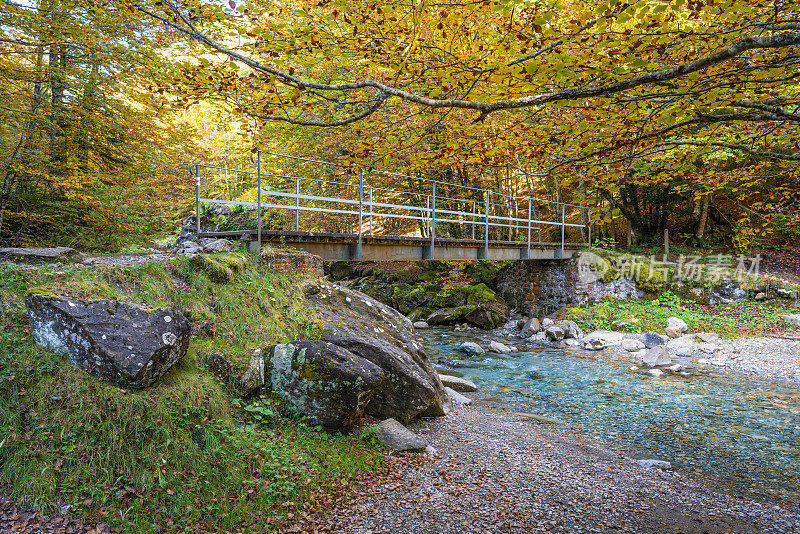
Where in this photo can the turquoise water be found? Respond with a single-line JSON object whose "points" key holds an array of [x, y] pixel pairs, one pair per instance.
{"points": [[741, 433]]}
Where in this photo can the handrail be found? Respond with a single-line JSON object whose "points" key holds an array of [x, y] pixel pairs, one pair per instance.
{"points": [[394, 206], [414, 177]]}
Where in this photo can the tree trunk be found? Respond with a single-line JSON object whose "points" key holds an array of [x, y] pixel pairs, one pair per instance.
{"points": [[25, 137], [611, 227], [701, 224], [629, 227], [584, 211]]}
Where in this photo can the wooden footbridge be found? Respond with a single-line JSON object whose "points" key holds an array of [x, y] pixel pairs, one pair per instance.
{"points": [[340, 218]]}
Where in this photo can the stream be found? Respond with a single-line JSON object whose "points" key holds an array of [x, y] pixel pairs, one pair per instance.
{"points": [[734, 433]]}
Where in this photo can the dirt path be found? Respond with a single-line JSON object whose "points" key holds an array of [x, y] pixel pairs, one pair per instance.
{"points": [[125, 260], [499, 473]]}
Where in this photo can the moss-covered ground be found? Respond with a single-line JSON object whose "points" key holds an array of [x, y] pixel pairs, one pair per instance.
{"points": [[183, 454]]}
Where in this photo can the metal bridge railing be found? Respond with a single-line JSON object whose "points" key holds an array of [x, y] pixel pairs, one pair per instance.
{"points": [[472, 211]]}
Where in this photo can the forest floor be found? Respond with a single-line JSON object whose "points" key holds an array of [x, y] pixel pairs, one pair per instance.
{"points": [[497, 472], [782, 263]]}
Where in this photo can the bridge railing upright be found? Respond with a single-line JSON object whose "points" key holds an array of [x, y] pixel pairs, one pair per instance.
{"points": [[374, 203]]}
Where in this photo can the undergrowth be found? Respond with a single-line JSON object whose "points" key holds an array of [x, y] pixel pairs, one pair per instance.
{"points": [[740, 319], [182, 454]]}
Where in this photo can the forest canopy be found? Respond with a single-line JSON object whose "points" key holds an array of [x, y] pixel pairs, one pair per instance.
{"points": [[656, 113]]}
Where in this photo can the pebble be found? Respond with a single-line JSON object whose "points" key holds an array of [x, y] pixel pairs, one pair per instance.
{"points": [[495, 473]]}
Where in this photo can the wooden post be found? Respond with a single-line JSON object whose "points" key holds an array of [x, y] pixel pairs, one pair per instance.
{"points": [[666, 243]]}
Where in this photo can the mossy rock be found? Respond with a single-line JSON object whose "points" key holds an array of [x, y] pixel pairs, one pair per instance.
{"points": [[236, 263], [478, 294], [448, 297], [40, 291], [485, 272], [650, 280], [217, 271]]}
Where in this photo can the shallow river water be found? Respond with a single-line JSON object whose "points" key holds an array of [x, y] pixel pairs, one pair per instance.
{"points": [[738, 432]]}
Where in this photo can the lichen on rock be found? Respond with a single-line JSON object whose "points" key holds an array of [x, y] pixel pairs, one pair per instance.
{"points": [[118, 342], [329, 384]]}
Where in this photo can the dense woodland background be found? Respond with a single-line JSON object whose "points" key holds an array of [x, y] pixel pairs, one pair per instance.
{"points": [[103, 106]]}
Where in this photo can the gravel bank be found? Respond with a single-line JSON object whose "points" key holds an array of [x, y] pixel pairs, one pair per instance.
{"points": [[771, 358], [499, 473]]}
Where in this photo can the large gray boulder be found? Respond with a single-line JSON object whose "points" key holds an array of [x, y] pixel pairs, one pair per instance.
{"points": [[395, 436], [411, 388], [677, 324], [457, 383], [41, 255], [385, 337], [328, 383], [600, 339], [656, 356], [242, 381], [554, 333], [682, 346], [531, 327], [120, 343], [471, 348], [218, 245], [652, 339], [571, 329], [499, 348]]}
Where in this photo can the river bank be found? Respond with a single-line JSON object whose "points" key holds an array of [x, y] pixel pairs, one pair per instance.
{"points": [[497, 471], [765, 357]]}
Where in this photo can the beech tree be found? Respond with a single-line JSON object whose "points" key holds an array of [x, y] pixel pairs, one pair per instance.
{"points": [[548, 88], [81, 140]]}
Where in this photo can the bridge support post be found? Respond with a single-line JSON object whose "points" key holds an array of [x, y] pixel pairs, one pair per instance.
{"points": [[590, 229], [297, 205], [528, 254], [433, 223], [563, 226], [485, 255], [197, 198], [360, 212], [370, 211]]}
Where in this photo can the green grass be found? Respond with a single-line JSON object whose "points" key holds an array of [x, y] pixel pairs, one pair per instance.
{"points": [[183, 453], [739, 319]]}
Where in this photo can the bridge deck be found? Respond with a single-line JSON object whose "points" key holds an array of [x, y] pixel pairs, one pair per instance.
{"points": [[335, 246]]}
